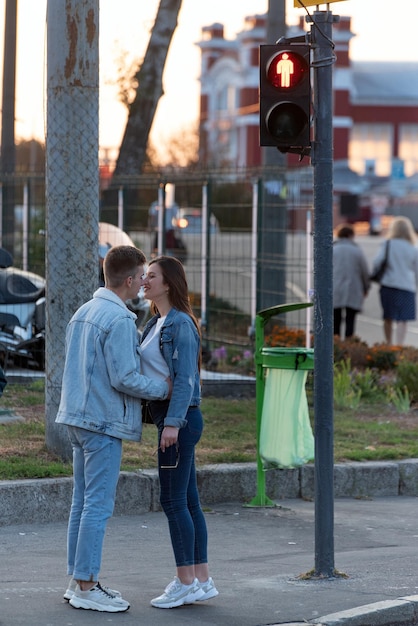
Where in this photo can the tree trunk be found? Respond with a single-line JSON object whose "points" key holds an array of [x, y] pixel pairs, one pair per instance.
{"points": [[149, 79]]}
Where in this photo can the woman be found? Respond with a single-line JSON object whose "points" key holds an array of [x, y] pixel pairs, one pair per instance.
{"points": [[170, 346], [399, 282], [350, 280]]}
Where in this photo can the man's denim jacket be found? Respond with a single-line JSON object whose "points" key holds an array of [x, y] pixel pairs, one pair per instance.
{"points": [[180, 347], [102, 385]]}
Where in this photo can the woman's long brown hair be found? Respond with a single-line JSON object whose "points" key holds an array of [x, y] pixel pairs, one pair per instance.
{"points": [[174, 277]]}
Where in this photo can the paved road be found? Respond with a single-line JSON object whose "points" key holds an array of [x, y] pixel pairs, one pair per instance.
{"points": [[256, 558], [231, 279]]}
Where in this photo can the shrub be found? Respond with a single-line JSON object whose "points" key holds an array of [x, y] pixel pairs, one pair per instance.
{"points": [[286, 337], [407, 377], [346, 395], [383, 357], [367, 381], [354, 349]]}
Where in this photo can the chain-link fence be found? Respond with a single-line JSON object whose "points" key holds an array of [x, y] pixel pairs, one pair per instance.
{"points": [[216, 225]]}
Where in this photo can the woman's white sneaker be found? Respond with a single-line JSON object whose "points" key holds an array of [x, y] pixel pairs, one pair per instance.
{"points": [[98, 599], [177, 594], [209, 590]]}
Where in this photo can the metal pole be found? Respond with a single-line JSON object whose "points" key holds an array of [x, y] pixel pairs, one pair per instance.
{"points": [[161, 220], [323, 59], [120, 208], [25, 226], [204, 291], [308, 276], [254, 239], [8, 150]]}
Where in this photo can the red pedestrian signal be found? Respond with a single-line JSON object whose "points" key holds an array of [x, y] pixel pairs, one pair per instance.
{"points": [[285, 97]]}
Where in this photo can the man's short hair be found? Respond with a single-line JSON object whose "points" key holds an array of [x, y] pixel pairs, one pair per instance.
{"points": [[121, 262]]}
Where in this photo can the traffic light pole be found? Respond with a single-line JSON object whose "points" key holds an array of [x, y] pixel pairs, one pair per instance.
{"points": [[322, 161]]}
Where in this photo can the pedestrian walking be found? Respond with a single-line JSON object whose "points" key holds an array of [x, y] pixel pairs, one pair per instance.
{"points": [[171, 346], [398, 284], [100, 405], [351, 281]]}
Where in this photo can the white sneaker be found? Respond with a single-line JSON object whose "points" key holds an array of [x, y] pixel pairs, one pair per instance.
{"points": [[73, 584], [98, 599], [209, 590], [177, 594]]}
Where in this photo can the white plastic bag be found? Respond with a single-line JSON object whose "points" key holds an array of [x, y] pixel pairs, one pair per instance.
{"points": [[286, 438]]}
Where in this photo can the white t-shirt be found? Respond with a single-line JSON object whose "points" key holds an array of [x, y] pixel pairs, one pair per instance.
{"points": [[153, 364]]}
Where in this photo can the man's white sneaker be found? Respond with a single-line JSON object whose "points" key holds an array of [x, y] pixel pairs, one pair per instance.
{"points": [[98, 599], [209, 590], [177, 594], [73, 584]]}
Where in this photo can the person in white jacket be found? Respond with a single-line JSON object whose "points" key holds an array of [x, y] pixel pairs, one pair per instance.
{"points": [[351, 281], [399, 282]]}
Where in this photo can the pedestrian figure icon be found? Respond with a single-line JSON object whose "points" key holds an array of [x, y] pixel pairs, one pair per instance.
{"points": [[285, 68]]}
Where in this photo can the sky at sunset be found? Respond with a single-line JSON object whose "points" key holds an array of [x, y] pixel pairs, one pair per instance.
{"points": [[382, 33]]}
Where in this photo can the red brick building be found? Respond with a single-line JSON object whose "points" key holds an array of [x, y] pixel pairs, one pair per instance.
{"points": [[375, 104]]}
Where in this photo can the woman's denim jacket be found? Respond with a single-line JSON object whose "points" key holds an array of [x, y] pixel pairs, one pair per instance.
{"points": [[180, 347], [102, 385]]}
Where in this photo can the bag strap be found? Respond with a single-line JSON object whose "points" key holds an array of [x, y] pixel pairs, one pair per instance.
{"points": [[386, 251]]}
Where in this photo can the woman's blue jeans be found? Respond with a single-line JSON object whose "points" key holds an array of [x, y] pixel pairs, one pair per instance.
{"points": [[179, 496], [96, 466]]}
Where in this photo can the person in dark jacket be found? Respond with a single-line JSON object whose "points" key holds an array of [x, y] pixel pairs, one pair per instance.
{"points": [[351, 281]]}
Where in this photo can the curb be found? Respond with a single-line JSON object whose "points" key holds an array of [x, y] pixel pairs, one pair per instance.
{"points": [[49, 499], [402, 611]]}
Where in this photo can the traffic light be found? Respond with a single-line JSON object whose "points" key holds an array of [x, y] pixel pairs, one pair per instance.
{"points": [[285, 97]]}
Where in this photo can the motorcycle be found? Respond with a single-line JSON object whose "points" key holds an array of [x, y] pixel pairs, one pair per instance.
{"points": [[22, 316]]}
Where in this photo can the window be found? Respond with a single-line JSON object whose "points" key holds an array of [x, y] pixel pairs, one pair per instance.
{"points": [[371, 142], [408, 147]]}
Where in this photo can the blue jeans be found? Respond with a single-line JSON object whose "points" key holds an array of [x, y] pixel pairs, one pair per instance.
{"points": [[179, 496], [96, 466]]}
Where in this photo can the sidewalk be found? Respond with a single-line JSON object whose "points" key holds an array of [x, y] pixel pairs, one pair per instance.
{"points": [[256, 556]]}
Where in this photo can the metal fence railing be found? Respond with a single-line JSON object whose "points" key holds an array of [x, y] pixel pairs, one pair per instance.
{"points": [[218, 226]]}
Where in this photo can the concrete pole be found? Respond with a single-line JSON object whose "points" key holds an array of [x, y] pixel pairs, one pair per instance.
{"points": [[72, 184], [271, 274]]}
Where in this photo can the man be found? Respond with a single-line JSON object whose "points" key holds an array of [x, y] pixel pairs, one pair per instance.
{"points": [[100, 404]]}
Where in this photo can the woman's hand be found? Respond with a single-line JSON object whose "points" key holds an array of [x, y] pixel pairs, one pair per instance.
{"points": [[169, 437]]}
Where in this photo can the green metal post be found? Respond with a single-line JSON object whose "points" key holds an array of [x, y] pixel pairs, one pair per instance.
{"points": [[261, 499]]}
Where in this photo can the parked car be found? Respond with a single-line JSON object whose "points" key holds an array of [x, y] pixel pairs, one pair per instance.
{"points": [[189, 221]]}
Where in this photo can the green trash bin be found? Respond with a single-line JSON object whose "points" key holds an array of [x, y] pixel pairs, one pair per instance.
{"points": [[286, 438], [284, 433]]}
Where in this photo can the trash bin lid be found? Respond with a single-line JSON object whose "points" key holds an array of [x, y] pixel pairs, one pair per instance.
{"points": [[287, 358], [266, 314]]}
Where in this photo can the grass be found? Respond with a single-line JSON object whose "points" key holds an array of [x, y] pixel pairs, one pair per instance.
{"points": [[374, 430]]}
